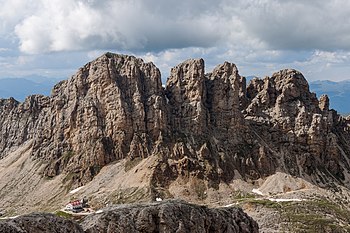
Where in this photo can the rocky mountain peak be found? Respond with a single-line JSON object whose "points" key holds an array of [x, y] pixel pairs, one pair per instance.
{"points": [[324, 103], [186, 92], [291, 80], [285, 98], [108, 106], [209, 126], [225, 70], [7, 105]]}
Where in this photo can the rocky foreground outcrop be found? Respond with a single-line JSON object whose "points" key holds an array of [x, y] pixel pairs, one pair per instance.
{"points": [[167, 217], [213, 127], [39, 223]]}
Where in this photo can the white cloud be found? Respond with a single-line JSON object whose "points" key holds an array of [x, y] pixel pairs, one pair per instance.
{"points": [[329, 57], [281, 24], [260, 36], [125, 25], [12, 12], [4, 49], [154, 25]]}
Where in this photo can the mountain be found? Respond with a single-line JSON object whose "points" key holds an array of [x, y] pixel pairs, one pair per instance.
{"points": [[20, 88], [115, 133], [338, 92]]}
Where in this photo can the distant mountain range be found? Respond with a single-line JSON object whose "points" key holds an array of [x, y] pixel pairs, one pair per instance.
{"points": [[338, 93], [20, 88]]}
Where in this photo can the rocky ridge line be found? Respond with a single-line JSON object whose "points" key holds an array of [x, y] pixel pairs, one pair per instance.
{"points": [[210, 126]]}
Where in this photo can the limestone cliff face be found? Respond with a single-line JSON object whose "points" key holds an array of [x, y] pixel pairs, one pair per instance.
{"points": [[187, 94], [299, 130], [113, 107], [212, 126], [20, 122]]}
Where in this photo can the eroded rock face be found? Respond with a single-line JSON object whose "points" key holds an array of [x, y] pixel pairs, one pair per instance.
{"points": [[300, 130], [170, 216], [39, 223], [209, 126], [187, 94], [111, 109]]}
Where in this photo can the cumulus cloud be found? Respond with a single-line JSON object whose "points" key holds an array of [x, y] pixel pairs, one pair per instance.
{"points": [[11, 13], [329, 57], [154, 25], [286, 24], [63, 25], [261, 36]]}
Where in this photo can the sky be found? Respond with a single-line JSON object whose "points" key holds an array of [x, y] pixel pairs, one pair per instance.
{"points": [[53, 38]]}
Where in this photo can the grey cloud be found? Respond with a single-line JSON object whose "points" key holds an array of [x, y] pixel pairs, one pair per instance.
{"points": [[302, 25], [155, 25], [128, 25], [271, 34]]}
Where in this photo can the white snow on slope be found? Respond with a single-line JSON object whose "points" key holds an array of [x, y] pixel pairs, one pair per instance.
{"points": [[257, 191], [76, 190]]}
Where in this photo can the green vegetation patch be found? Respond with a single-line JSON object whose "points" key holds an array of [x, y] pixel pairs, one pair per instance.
{"points": [[319, 215], [266, 203], [240, 196], [64, 214], [131, 163], [69, 154]]}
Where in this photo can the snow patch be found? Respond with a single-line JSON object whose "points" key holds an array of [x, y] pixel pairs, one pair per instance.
{"points": [[159, 199], [229, 205], [76, 190], [257, 191], [12, 217], [233, 204], [99, 212]]}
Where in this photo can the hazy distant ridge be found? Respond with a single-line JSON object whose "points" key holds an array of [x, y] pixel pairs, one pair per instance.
{"points": [[20, 88], [338, 93]]}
